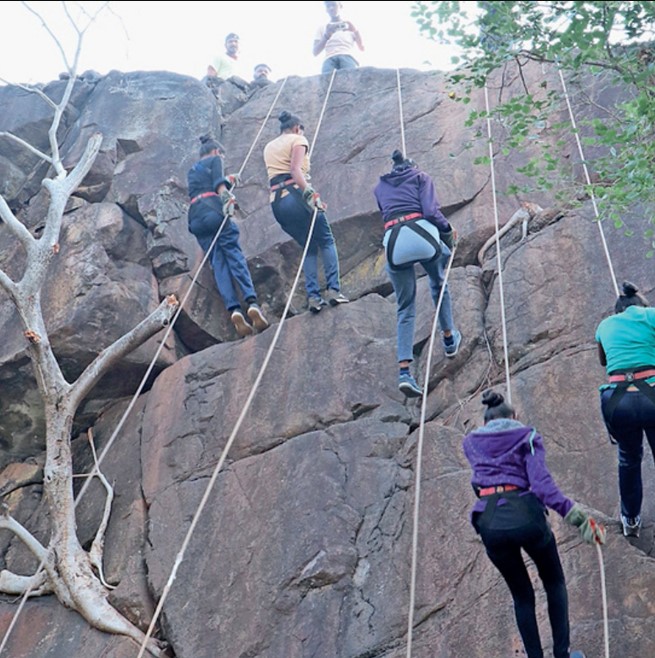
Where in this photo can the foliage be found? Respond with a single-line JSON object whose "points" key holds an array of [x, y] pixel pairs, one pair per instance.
{"points": [[611, 41]]}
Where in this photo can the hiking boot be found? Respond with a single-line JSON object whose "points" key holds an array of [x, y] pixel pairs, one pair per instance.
{"points": [[315, 304], [631, 527], [407, 385], [240, 324], [257, 317], [334, 297], [451, 343], [577, 654]]}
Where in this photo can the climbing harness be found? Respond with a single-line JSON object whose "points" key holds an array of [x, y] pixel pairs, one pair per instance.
{"points": [[246, 407], [96, 472]]}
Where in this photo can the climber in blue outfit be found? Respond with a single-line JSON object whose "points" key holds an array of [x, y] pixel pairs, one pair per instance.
{"points": [[212, 203], [416, 231]]}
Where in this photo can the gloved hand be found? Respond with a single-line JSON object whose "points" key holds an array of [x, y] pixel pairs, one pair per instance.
{"points": [[229, 202], [448, 237], [312, 199], [233, 180], [590, 530]]}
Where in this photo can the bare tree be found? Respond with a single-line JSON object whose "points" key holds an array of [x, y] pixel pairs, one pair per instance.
{"points": [[70, 572]]}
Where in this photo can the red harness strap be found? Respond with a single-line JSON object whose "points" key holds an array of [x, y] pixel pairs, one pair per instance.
{"points": [[404, 218]]}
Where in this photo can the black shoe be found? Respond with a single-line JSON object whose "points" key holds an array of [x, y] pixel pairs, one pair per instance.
{"points": [[315, 304], [631, 527], [334, 297]]}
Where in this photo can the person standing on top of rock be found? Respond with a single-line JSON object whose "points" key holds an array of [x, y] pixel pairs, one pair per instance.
{"points": [[338, 39], [294, 203], [212, 205], [626, 347], [416, 231], [514, 487]]}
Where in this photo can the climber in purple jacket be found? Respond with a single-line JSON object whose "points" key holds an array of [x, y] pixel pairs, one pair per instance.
{"points": [[514, 488], [415, 231]]}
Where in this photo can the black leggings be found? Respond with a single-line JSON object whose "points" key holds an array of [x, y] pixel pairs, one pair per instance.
{"points": [[537, 540]]}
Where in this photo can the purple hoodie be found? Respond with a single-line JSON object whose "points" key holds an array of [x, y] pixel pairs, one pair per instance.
{"points": [[507, 452], [407, 191]]}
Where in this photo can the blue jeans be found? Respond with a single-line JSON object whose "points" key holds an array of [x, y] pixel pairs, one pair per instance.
{"points": [[338, 62], [295, 217], [537, 540], [227, 259], [633, 417], [403, 280]]}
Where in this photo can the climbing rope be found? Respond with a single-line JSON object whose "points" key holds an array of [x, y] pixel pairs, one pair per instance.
{"points": [[205, 498], [137, 393], [400, 111], [616, 291], [419, 459], [588, 180], [499, 263]]}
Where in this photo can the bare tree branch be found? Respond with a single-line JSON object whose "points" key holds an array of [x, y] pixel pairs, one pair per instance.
{"points": [[11, 583], [14, 225], [29, 147], [159, 318], [96, 552], [35, 546], [32, 90]]}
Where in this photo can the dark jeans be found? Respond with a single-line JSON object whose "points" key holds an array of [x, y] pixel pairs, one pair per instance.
{"points": [[633, 417], [537, 540], [295, 217], [227, 259]]}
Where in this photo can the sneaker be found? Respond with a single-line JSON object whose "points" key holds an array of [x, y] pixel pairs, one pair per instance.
{"points": [[577, 654], [257, 317], [334, 297], [315, 304], [240, 324], [631, 527], [407, 385], [451, 343]]}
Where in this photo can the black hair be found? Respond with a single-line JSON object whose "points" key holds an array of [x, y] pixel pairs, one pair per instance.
{"points": [[288, 120], [400, 162], [231, 35], [209, 144], [629, 297], [496, 406]]}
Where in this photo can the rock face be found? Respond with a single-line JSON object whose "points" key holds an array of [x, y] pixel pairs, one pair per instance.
{"points": [[304, 544]]}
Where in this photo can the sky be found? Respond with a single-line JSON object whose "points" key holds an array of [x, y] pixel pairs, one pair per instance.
{"points": [[183, 37]]}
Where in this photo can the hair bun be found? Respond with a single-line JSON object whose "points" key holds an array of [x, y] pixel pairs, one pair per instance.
{"points": [[492, 399], [284, 116], [398, 157], [205, 138], [629, 289]]}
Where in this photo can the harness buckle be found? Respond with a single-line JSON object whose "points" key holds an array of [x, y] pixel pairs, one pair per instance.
{"points": [[629, 376]]}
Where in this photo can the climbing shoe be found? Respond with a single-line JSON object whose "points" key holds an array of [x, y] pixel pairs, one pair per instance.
{"points": [[240, 324], [451, 343], [257, 317], [334, 297], [407, 385], [315, 304], [631, 527]]}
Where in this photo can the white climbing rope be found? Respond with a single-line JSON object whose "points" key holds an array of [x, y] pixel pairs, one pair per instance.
{"points": [[246, 407], [588, 180], [499, 262], [400, 111], [616, 290], [419, 459], [145, 377]]}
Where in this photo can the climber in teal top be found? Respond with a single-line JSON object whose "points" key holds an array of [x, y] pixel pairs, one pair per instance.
{"points": [[626, 347]]}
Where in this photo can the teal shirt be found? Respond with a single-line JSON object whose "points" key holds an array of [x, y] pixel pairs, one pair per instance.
{"points": [[628, 338]]}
